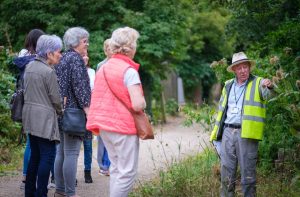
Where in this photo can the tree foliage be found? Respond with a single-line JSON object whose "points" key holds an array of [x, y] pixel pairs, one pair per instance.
{"points": [[185, 35], [206, 42]]}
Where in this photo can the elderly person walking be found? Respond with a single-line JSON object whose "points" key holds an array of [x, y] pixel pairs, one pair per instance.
{"points": [[239, 125], [76, 92], [39, 117], [117, 80]]}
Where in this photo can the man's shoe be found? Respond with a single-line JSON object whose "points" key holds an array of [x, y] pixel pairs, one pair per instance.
{"points": [[87, 176]]}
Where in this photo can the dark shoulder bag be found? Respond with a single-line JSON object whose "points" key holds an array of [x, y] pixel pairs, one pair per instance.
{"points": [[73, 121], [141, 120], [17, 102]]}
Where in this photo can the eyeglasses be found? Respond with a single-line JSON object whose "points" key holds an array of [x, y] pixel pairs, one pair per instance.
{"points": [[85, 41]]}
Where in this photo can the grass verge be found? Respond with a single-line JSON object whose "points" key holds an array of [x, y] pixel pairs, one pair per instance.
{"points": [[11, 159], [199, 176]]}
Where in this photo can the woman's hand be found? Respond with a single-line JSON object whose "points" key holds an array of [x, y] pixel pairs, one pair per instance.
{"points": [[86, 110], [85, 59]]}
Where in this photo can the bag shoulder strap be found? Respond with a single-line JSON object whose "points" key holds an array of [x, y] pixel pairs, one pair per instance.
{"points": [[104, 73]]}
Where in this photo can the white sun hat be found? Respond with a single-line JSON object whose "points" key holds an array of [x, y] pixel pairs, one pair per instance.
{"points": [[238, 58]]}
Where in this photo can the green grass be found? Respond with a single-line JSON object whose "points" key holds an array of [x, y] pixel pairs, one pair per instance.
{"points": [[11, 159], [191, 177], [199, 176]]}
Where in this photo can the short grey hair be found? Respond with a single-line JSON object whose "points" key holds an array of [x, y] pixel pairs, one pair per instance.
{"points": [[73, 36], [48, 44], [123, 40]]}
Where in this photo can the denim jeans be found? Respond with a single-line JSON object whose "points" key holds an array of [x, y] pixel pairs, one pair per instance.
{"points": [[52, 168], [88, 152], [102, 155], [26, 158], [65, 167], [40, 163]]}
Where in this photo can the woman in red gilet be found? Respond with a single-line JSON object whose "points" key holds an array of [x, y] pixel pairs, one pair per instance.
{"points": [[117, 89]]}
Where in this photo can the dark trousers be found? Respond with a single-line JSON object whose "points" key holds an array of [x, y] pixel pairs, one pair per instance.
{"points": [[40, 163]]}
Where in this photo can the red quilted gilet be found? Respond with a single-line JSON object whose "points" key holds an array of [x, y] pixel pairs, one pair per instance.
{"points": [[107, 112]]}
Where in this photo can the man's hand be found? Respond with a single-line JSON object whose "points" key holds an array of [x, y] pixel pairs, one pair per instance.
{"points": [[267, 83]]}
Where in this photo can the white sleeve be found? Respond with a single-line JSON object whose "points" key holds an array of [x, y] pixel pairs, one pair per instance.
{"points": [[91, 73], [23, 52], [131, 77]]}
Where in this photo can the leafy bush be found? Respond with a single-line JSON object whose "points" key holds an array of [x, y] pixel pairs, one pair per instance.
{"points": [[172, 107], [9, 130], [203, 115]]}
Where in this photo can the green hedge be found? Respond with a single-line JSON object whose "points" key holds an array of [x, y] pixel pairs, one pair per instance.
{"points": [[9, 131]]}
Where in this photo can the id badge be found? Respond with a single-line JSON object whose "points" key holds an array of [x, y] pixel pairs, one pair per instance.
{"points": [[234, 110]]}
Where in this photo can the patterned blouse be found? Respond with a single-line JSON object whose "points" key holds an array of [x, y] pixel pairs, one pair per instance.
{"points": [[73, 80]]}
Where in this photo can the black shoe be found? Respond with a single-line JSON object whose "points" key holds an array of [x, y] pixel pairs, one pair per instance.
{"points": [[87, 176]]}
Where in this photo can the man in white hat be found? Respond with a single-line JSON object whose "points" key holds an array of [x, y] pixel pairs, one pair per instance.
{"points": [[239, 125]]}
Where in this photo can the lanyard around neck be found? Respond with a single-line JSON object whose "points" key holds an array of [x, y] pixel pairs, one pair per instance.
{"points": [[237, 100]]}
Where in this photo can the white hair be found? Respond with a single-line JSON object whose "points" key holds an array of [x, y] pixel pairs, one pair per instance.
{"points": [[123, 40], [73, 36], [47, 44]]}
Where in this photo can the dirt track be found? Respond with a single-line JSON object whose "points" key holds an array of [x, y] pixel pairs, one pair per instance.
{"points": [[172, 142]]}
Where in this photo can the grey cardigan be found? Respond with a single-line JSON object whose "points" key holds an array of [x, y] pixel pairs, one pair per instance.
{"points": [[42, 101]]}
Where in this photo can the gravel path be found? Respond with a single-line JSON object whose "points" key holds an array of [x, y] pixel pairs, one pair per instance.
{"points": [[172, 142]]}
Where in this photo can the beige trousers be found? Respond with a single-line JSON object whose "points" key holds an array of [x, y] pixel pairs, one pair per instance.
{"points": [[123, 152]]}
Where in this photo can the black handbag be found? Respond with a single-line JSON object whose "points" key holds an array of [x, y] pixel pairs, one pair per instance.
{"points": [[74, 121], [16, 104]]}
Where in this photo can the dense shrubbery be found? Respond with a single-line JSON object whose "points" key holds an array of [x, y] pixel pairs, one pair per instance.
{"points": [[172, 107], [9, 131]]}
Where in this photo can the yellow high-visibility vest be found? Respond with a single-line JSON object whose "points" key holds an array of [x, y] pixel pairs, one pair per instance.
{"points": [[253, 111]]}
